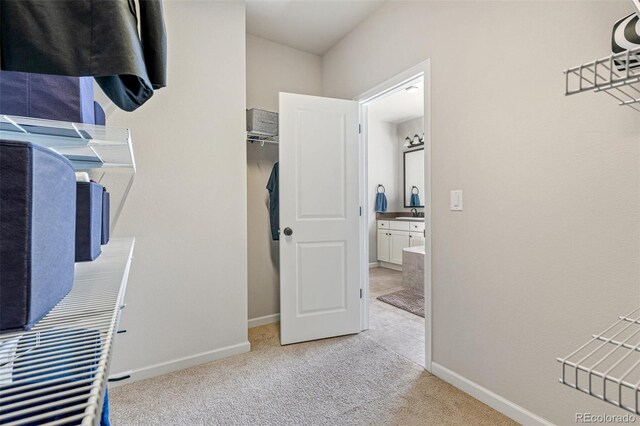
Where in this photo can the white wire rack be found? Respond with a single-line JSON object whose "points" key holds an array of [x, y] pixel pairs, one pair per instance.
{"points": [[261, 138], [608, 366], [56, 373], [105, 152], [617, 75]]}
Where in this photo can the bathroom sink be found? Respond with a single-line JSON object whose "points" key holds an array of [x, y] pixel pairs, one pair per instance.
{"points": [[411, 219]]}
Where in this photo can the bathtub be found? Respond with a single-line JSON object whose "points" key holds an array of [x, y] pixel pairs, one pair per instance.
{"points": [[413, 267]]}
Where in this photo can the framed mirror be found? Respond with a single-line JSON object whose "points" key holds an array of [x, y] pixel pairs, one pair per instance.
{"points": [[414, 178]]}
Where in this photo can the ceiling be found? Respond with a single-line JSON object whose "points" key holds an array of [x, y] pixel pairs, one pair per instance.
{"points": [[310, 25], [400, 106]]}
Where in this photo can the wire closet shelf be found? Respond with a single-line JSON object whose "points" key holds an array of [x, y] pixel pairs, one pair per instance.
{"points": [[104, 152], [618, 75], [56, 373], [607, 367], [262, 139]]}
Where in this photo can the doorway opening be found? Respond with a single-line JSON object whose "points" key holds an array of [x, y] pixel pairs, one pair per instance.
{"points": [[396, 226]]}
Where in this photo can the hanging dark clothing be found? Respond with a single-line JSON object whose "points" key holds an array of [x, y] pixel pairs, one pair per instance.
{"points": [[274, 203], [98, 38]]}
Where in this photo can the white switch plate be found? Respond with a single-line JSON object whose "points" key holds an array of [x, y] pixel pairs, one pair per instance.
{"points": [[456, 200]]}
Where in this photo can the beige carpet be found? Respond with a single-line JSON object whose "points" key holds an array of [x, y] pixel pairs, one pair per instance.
{"points": [[343, 381]]}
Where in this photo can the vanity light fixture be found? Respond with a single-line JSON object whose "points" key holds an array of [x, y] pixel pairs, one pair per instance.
{"points": [[415, 141]]}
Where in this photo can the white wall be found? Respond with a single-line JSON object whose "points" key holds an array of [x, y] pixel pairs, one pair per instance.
{"points": [[407, 128], [382, 169], [546, 252], [187, 293], [271, 68]]}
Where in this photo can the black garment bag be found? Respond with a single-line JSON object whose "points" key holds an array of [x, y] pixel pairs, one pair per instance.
{"points": [[98, 38]]}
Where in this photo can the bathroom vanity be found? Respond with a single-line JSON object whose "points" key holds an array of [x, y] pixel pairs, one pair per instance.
{"points": [[394, 235]]}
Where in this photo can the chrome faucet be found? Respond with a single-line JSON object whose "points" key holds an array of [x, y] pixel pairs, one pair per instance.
{"points": [[414, 212]]}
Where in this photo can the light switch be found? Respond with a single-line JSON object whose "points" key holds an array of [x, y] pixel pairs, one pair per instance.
{"points": [[456, 200]]}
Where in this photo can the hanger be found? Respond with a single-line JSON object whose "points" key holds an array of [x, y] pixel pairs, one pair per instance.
{"points": [[416, 188], [378, 189]]}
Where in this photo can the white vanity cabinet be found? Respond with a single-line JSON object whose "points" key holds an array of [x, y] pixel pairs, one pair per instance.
{"points": [[395, 235], [384, 248], [416, 239], [397, 241]]}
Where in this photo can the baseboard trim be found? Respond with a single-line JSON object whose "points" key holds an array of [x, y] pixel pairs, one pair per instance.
{"points": [[391, 266], [374, 265], [490, 398], [267, 319], [180, 363]]}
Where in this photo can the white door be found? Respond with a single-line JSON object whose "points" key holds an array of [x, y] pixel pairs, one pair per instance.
{"points": [[319, 218], [417, 239], [383, 245], [398, 241]]}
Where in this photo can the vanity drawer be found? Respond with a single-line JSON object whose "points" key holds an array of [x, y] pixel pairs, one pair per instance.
{"points": [[400, 225], [383, 224], [417, 226]]}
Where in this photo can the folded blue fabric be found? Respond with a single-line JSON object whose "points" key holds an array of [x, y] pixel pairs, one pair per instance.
{"points": [[415, 200], [104, 419], [381, 202]]}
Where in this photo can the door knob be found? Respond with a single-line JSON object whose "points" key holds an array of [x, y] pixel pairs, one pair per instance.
{"points": [[288, 232]]}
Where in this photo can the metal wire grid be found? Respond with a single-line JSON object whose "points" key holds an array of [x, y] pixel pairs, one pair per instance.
{"points": [[56, 373], [260, 138], [608, 366], [617, 75]]}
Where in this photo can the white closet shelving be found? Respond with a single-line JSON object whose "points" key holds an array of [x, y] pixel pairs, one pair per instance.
{"points": [[56, 373], [616, 75], [607, 366], [261, 139], [104, 152]]}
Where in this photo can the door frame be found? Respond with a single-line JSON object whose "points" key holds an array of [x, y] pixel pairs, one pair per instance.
{"points": [[383, 89]]}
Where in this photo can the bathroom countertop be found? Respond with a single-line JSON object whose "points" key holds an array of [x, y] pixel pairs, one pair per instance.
{"points": [[396, 215], [415, 249]]}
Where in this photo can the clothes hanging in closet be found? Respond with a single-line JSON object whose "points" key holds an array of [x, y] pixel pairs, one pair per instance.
{"points": [[88, 38], [274, 203]]}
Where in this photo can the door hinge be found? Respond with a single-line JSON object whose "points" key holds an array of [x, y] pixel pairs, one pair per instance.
{"points": [[360, 210], [360, 293], [359, 128]]}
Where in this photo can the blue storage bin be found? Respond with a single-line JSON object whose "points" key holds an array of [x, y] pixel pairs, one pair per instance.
{"points": [[37, 229], [88, 220], [51, 97], [100, 116], [106, 211]]}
